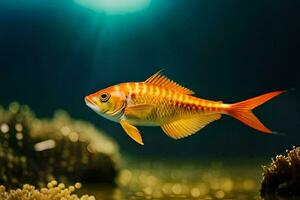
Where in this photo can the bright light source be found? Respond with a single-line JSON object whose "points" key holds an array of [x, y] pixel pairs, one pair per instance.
{"points": [[115, 6]]}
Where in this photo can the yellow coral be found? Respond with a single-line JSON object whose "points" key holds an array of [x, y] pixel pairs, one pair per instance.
{"points": [[30, 147], [54, 192]]}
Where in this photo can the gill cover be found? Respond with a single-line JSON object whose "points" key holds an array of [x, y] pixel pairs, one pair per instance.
{"points": [[116, 103], [107, 101]]}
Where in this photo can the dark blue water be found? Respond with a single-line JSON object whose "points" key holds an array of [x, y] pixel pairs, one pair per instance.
{"points": [[53, 53]]}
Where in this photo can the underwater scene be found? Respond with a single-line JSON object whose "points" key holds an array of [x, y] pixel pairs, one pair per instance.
{"points": [[149, 99]]}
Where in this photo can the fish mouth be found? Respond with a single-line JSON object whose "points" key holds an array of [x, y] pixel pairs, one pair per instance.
{"points": [[90, 103], [87, 100], [93, 105]]}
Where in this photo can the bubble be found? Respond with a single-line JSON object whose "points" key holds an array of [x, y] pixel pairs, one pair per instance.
{"points": [[227, 184], [167, 188], [4, 128], [65, 130], [19, 136], [73, 136], [18, 127], [54, 182], [177, 188], [71, 188], [219, 194], [195, 192], [13, 107], [61, 186], [77, 185], [125, 177]]}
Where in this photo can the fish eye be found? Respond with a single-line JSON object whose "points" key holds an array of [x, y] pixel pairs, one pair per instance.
{"points": [[104, 97]]}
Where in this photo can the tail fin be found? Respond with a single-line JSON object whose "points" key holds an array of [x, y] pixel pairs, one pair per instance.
{"points": [[243, 110]]}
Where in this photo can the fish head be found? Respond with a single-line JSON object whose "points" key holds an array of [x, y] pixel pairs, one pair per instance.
{"points": [[107, 102]]}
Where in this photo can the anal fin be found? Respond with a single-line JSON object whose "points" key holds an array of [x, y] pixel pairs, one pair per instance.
{"points": [[132, 131], [181, 128]]}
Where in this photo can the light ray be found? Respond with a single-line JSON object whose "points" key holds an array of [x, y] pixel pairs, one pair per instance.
{"points": [[115, 6]]}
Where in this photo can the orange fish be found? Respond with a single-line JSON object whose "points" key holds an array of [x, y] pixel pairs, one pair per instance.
{"points": [[159, 101]]}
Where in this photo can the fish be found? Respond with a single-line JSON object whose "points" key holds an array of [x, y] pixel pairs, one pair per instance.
{"points": [[160, 101]]}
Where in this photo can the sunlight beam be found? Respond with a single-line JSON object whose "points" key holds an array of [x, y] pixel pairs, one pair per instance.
{"points": [[115, 6]]}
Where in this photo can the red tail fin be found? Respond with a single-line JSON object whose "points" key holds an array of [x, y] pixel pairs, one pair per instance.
{"points": [[242, 110]]}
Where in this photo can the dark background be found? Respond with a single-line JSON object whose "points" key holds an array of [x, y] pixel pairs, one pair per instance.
{"points": [[53, 53]]}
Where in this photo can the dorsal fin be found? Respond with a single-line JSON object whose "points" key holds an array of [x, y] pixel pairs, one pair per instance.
{"points": [[160, 80]]}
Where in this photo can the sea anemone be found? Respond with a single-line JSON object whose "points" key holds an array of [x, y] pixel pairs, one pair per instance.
{"points": [[282, 176], [36, 151]]}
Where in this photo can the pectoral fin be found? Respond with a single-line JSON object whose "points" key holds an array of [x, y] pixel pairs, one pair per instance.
{"points": [[132, 131], [138, 111]]}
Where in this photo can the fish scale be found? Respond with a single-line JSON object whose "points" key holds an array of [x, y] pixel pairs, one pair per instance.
{"points": [[165, 108]]}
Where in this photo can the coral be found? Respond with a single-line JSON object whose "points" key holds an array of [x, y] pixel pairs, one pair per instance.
{"points": [[53, 191], [282, 177], [36, 151]]}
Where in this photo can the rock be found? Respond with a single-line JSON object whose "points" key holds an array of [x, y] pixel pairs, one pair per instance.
{"points": [[36, 151]]}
